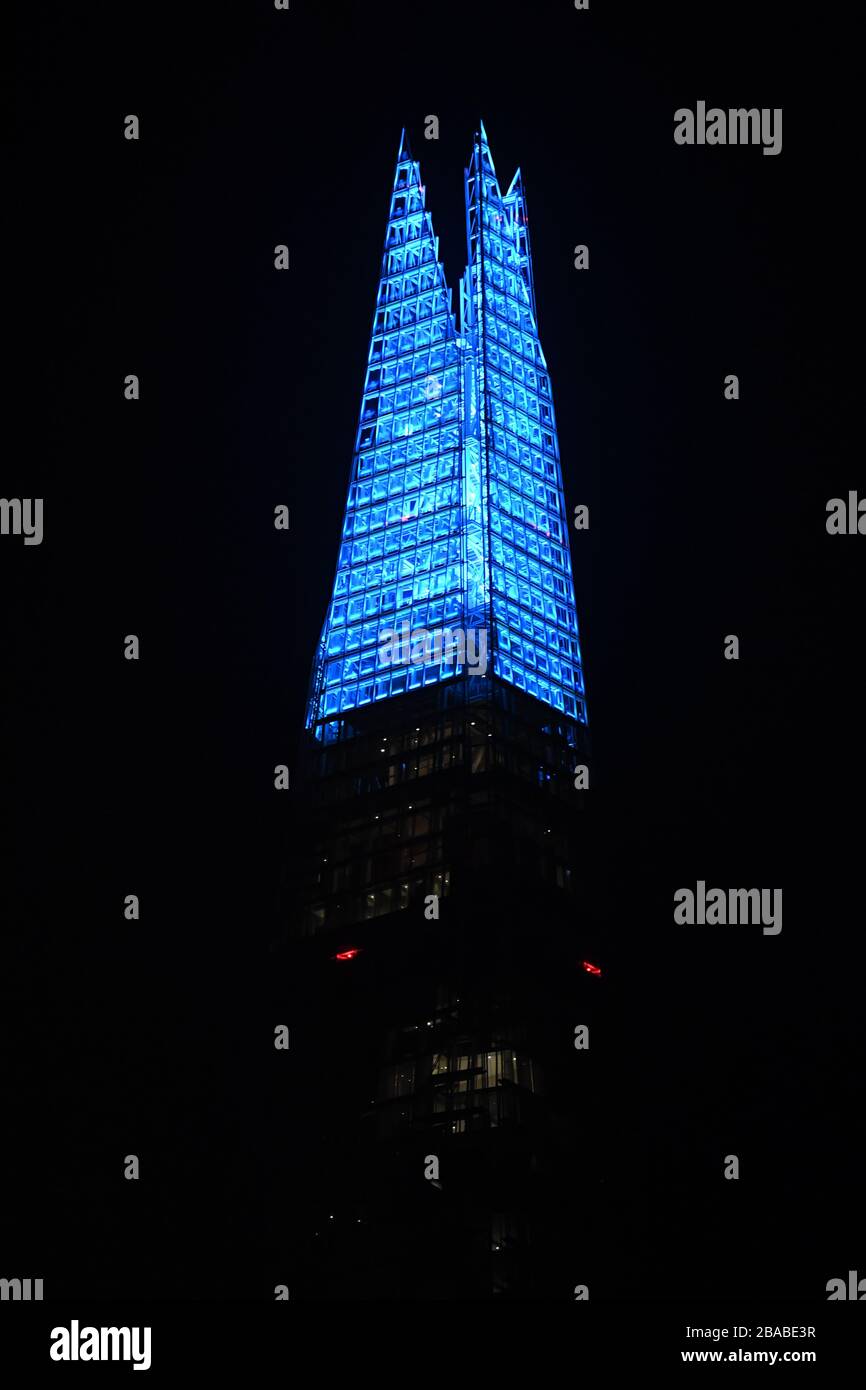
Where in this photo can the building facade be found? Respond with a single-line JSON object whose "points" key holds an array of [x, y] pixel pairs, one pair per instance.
{"points": [[445, 950]]}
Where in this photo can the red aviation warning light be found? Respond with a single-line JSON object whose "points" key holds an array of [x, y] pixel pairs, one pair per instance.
{"points": [[590, 969], [347, 955]]}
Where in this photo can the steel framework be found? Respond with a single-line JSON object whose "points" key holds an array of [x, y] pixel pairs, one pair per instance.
{"points": [[455, 516]]}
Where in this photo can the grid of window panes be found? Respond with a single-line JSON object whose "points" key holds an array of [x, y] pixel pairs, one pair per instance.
{"points": [[456, 1093], [414, 556], [536, 638], [400, 557], [456, 1074]]}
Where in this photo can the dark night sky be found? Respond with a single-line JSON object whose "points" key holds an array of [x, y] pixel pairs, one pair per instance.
{"points": [[707, 518]]}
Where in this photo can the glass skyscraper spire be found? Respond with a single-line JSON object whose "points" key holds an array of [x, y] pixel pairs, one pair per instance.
{"points": [[455, 520]]}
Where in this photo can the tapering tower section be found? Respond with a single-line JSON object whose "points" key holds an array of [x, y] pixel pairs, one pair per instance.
{"points": [[448, 676], [534, 635], [455, 518], [402, 558]]}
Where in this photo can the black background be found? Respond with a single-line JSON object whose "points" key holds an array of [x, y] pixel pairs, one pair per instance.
{"points": [[707, 518]]}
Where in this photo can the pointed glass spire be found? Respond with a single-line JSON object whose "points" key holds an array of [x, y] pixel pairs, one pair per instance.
{"points": [[404, 154], [455, 519], [534, 619], [401, 557]]}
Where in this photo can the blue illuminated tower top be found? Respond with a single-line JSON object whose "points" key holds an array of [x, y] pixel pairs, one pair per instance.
{"points": [[455, 535]]}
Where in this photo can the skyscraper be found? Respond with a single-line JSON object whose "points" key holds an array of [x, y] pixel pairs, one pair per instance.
{"points": [[443, 937]]}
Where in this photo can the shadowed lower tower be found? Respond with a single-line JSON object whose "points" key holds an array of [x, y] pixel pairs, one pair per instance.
{"points": [[444, 951]]}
